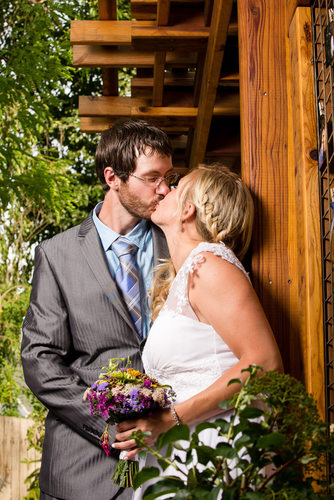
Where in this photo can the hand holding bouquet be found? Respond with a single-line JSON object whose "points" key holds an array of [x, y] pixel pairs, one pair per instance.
{"points": [[121, 394]]}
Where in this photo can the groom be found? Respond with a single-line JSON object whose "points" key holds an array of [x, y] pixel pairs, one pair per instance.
{"points": [[80, 312]]}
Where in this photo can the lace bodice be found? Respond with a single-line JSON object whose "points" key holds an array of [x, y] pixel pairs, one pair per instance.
{"points": [[181, 350], [177, 300]]}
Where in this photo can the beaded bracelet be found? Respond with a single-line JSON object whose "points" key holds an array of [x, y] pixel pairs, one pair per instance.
{"points": [[176, 418]]}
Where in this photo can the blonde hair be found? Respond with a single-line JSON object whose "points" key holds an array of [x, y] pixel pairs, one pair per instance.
{"points": [[224, 212]]}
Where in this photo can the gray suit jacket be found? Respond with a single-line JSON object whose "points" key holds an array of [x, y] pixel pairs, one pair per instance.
{"points": [[75, 323]]}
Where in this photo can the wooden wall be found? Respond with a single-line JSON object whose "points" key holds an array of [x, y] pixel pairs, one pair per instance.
{"points": [[13, 450], [277, 134]]}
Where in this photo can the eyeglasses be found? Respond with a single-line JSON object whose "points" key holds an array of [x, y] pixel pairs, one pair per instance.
{"points": [[171, 180]]}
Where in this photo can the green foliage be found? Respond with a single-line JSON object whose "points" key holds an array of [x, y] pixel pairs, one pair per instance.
{"points": [[275, 426], [47, 178]]}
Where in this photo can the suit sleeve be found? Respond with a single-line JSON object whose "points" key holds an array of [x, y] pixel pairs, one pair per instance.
{"points": [[46, 353]]}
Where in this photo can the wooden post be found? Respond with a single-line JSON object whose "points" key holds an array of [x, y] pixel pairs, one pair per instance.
{"points": [[306, 191], [264, 151], [277, 135]]}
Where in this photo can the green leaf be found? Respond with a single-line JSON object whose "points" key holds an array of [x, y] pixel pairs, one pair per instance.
{"points": [[163, 486], [254, 495], [224, 405], [241, 442], [251, 412], [204, 454], [225, 450], [214, 493], [176, 433], [205, 425], [272, 440], [163, 464], [144, 475], [231, 493], [235, 381]]}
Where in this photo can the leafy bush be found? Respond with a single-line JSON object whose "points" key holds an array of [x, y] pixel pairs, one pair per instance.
{"points": [[274, 446]]}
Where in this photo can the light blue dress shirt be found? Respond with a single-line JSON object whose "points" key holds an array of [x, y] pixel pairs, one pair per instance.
{"points": [[141, 235]]}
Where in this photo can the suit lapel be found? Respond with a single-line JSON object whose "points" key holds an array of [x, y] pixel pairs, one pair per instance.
{"points": [[93, 253]]}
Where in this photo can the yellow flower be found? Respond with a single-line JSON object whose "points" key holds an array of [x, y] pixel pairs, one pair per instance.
{"points": [[133, 372]]}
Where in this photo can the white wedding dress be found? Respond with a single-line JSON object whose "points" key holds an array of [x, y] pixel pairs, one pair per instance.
{"points": [[183, 352]]}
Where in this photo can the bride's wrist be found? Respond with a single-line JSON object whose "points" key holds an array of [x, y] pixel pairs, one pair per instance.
{"points": [[176, 420]]}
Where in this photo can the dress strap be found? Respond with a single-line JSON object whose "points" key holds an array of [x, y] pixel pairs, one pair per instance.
{"points": [[178, 300]]}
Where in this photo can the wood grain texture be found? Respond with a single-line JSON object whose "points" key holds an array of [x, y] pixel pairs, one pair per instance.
{"points": [[308, 235], [158, 78], [96, 124], [13, 450], [107, 9], [291, 6], [264, 141], [127, 106], [101, 56], [105, 32], [221, 15]]}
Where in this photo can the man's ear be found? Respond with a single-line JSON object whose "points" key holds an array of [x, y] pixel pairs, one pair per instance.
{"points": [[111, 178], [188, 211]]}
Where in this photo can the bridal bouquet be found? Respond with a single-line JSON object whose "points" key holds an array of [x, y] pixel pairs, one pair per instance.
{"points": [[121, 394]]}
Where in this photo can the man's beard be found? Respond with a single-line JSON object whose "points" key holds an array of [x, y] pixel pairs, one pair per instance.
{"points": [[135, 205]]}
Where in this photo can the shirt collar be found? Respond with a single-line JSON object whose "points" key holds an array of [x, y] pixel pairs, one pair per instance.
{"points": [[107, 235]]}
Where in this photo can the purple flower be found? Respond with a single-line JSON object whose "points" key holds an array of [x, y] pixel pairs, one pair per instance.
{"points": [[147, 383], [134, 394], [102, 387]]}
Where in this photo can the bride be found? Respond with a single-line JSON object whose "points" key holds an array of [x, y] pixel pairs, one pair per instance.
{"points": [[208, 322]]}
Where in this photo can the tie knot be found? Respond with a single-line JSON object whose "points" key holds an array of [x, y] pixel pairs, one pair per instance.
{"points": [[123, 246]]}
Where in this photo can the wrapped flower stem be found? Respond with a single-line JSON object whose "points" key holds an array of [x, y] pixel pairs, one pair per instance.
{"points": [[125, 471]]}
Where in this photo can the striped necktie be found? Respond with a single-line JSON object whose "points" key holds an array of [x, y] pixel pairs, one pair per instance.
{"points": [[127, 278]]}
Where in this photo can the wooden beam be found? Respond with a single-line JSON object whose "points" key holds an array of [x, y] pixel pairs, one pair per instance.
{"points": [[169, 38], [144, 9], [158, 78], [95, 56], [107, 9], [208, 6], [218, 33], [105, 32], [110, 81], [171, 80], [96, 124], [308, 236], [163, 12], [123, 106], [184, 80], [141, 34]]}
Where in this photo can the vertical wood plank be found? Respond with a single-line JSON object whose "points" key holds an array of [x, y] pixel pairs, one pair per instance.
{"points": [[221, 15], [108, 10], [13, 450], [291, 6], [264, 141], [308, 208], [163, 10], [158, 78]]}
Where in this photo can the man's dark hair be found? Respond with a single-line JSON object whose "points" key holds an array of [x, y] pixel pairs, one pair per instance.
{"points": [[120, 146]]}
